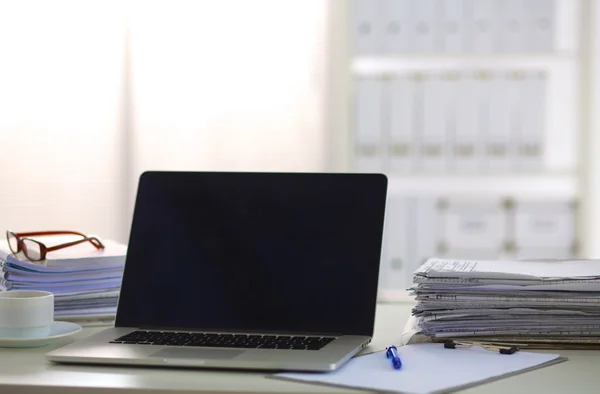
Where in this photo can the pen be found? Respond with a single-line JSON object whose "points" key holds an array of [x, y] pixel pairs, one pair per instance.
{"points": [[392, 353]]}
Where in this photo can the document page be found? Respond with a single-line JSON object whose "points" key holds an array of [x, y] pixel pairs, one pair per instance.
{"points": [[540, 270], [428, 368]]}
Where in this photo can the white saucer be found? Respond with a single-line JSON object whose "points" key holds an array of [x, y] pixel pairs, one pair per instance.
{"points": [[58, 329]]}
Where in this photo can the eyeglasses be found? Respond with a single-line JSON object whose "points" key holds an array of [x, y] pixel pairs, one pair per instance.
{"points": [[36, 251]]}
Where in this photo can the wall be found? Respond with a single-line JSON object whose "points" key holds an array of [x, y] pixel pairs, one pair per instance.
{"points": [[93, 93]]}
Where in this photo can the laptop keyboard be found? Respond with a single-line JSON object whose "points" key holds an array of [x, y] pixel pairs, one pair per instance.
{"points": [[223, 340]]}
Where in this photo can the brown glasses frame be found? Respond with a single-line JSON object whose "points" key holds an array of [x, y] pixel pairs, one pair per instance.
{"points": [[43, 248]]}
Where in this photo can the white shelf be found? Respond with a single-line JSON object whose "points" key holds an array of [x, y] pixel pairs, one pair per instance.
{"points": [[378, 64], [559, 186]]}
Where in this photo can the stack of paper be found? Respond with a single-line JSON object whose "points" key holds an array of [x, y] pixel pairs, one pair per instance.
{"points": [[542, 302], [85, 281]]}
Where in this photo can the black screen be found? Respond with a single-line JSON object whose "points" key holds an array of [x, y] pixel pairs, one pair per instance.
{"points": [[284, 252]]}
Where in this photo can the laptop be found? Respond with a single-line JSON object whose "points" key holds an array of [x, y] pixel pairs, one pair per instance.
{"points": [[246, 270]]}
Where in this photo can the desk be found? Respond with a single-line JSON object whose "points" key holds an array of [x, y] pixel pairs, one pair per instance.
{"points": [[25, 371]]}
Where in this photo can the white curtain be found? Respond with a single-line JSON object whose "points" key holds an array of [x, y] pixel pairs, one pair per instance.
{"points": [[92, 93]]}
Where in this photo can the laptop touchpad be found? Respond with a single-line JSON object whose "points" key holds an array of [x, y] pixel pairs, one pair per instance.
{"points": [[220, 354]]}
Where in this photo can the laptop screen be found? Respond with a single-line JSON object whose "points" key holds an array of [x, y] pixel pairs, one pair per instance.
{"points": [[254, 252]]}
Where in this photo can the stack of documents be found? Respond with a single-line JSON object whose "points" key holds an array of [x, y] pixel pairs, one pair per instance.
{"points": [[85, 281], [526, 302]]}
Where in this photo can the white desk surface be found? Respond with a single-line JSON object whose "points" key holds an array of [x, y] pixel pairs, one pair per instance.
{"points": [[25, 371]]}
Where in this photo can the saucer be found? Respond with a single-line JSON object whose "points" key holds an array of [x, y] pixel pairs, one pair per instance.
{"points": [[58, 329]]}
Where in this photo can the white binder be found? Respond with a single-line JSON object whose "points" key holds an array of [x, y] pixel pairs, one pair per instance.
{"points": [[473, 254], [394, 271], [549, 253], [541, 25], [400, 112], [366, 25], [422, 24], [453, 27], [396, 24], [499, 146], [473, 227], [424, 224], [482, 24], [531, 139], [432, 141], [368, 137], [544, 224], [410, 238], [511, 30], [467, 144]]}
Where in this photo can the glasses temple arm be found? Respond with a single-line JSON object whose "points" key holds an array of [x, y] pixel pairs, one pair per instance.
{"points": [[39, 233], [93, 240]]}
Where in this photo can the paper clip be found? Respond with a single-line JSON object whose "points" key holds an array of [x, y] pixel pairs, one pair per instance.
{"points": [[502, 349]]}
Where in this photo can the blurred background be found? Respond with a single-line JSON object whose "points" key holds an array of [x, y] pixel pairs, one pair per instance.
{"points": [[483, 113]]}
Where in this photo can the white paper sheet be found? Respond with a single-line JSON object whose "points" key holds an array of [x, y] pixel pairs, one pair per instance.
{"points": [[427, 368], [542, 270], [566, 285]]}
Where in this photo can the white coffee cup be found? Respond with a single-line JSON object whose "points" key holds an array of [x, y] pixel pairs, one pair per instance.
{"points": [[26, 313]]}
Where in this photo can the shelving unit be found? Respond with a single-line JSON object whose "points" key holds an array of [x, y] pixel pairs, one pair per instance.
{"points": [[561, 176]]}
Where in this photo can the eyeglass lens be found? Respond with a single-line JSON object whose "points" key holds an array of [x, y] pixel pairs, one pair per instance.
{"points": [[32, 250], [13, 242]]}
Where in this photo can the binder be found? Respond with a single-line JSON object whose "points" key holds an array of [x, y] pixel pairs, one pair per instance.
{"points": [[423, 214], [410, 238], [453, 27], [484, 87], [499, 156], [422, 24], [397, 242], [530, 149], [473, 227], [544, 224], [471, 254], [396, 21], [549, 253], [432, 138], [482, 24], [368, 136], [400, 112], [516, 110], [467, 140], [541, 25], [366, 23], [511, 35], [449, 90]]}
